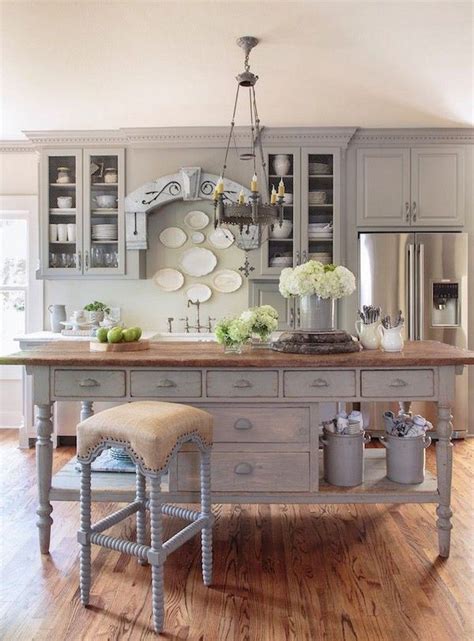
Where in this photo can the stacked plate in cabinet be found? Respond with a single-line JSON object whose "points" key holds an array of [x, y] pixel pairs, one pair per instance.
{"points": [[105, 232], [318, 168], [320, 231]]}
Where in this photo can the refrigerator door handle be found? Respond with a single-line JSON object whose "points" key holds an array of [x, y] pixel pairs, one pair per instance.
{"points": [[420, 295], [411, 292]]}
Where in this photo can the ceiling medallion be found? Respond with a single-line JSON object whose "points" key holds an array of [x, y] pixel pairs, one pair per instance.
{"points": [[257, 211]]}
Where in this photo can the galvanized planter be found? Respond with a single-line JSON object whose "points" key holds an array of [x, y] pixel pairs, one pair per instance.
{"points": [[344, 458], [406, 458]]}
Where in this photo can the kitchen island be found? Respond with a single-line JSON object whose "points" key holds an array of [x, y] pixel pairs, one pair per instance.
{"points": [[266, 410]]}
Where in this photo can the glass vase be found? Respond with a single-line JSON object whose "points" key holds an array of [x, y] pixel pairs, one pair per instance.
{"points": [[261, 342], [317, 314], [232, 348]]}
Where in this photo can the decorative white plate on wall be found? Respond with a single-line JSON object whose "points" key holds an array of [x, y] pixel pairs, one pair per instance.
{"points": [[173, 237], [196, 220], [198, 292], [227, 281], [198, 237], [221, 238], [198, 261], [169, 280]]}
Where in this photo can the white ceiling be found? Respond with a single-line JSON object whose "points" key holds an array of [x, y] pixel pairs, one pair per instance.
{"points": [[100, 65]]}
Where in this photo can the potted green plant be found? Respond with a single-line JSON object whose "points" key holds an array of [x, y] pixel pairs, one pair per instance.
{"points": [[263, 321], [232, 333], [96, 311]]}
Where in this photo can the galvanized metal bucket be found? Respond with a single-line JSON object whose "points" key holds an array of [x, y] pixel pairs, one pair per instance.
{"points": [[406, 458], [344, 458]]}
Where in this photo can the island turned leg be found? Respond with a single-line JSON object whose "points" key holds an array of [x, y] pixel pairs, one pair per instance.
{"points": [[444, 468], [44, 470], [87, 409]]}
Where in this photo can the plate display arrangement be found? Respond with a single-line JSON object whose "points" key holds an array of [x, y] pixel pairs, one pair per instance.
{"points": [[168, 280], [221, 238], [173, 237], [196, 220], [199, 293], [198, 261], [227, 281]]}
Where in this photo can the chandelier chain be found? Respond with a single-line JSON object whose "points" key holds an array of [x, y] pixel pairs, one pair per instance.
{"points": [[232, 125]]}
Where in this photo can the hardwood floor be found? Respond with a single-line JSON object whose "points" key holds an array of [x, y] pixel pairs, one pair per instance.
{"points": [[282, 573]]}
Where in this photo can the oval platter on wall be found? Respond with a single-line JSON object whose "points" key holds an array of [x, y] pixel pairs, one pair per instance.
{"points": [[199, 292], [198, 261], [196, 220], [168, 280], [173, 237], [227, 281]]}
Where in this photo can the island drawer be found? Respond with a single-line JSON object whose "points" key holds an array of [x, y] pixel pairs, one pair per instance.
{"points": [[86, 383], [251, 424], [398, 384], [242, 383], [247, 471], [165, 383], [319, 384]]}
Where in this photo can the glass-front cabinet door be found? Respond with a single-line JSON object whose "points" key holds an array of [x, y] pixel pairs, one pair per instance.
{"points": [[104, 227], [320, 205], [61, 212], [281, 245]]}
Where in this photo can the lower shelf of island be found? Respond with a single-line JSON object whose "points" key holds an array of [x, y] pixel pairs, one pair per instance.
{"points": [[376, 488]]}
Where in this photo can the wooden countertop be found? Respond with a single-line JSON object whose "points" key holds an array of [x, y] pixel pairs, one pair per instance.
{"points": [[71, 354]]}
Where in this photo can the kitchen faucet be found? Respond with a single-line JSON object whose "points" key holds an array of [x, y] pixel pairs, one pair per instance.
{"points": [[198, 327]]}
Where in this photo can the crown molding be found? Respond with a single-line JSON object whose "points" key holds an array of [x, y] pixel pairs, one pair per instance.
{"points": [[414, 136], [16, 146], [216, 137]]}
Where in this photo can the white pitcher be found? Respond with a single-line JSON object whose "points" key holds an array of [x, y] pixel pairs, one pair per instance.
{"points": [[57, 313], [392, 339], [368, 334]]}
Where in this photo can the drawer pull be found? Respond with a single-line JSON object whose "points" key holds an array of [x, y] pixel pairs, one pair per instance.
{"points": [[166, 382], [89, 382], [243, 468], [398, 382], [242, 384], [243, 424], [320, 382]]}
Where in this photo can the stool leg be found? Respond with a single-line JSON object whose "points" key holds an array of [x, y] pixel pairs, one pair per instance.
{"points": [[206, 532], [157, 576], [140, 495], [85, 528]]}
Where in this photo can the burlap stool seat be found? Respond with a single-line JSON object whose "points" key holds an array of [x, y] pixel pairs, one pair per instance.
{"points": [[151, 432]]}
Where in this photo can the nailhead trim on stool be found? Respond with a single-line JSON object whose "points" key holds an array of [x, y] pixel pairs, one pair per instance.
{"points": [[157, 552]]}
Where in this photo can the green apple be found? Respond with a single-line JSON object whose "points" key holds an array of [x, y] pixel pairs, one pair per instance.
{"points": [[129, 335], [102, 334], [138, 332], [114, 335]]}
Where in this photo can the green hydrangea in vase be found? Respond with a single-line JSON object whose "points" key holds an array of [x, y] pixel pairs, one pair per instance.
{"points": [[232, 333], [263, 321], [318, 286]]}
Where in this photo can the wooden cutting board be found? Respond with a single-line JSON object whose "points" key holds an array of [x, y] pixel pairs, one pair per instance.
{"points": [[135, 346]]}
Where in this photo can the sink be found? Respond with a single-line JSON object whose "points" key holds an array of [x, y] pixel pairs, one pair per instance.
{"points": [[191, 337]]}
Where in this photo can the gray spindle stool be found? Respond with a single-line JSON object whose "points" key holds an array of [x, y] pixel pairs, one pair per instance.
{"points": [[151, 433]]}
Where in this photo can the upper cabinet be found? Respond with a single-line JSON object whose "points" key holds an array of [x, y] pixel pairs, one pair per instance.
{"points": [[311, 210], [422, 186], [82, 226]]}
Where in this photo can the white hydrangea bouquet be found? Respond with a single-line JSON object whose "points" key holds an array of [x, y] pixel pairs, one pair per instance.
{"points": [[314, 278], [262, 320], [234, 332]]}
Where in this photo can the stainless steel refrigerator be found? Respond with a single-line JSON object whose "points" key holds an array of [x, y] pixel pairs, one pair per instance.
{"points": [[425, 275]]}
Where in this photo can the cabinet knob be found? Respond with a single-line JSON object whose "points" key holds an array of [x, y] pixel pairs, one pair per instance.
{"points": [[242, 383], [297, 258], [89, 382], [79, 260], [86, 259], [243, 424], [304, 257], [414, 210], [243, 468], [166, 382], [407, 212]]}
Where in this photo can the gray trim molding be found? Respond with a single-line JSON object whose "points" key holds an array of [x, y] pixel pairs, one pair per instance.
{"points": [[413, 136]]}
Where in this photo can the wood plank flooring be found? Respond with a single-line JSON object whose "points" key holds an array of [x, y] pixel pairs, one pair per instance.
{"points": [[282, 573]]}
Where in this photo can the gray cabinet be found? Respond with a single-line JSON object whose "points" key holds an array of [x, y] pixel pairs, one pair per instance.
{"points": [[437, 186], [82, 221], [422, 186]]}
